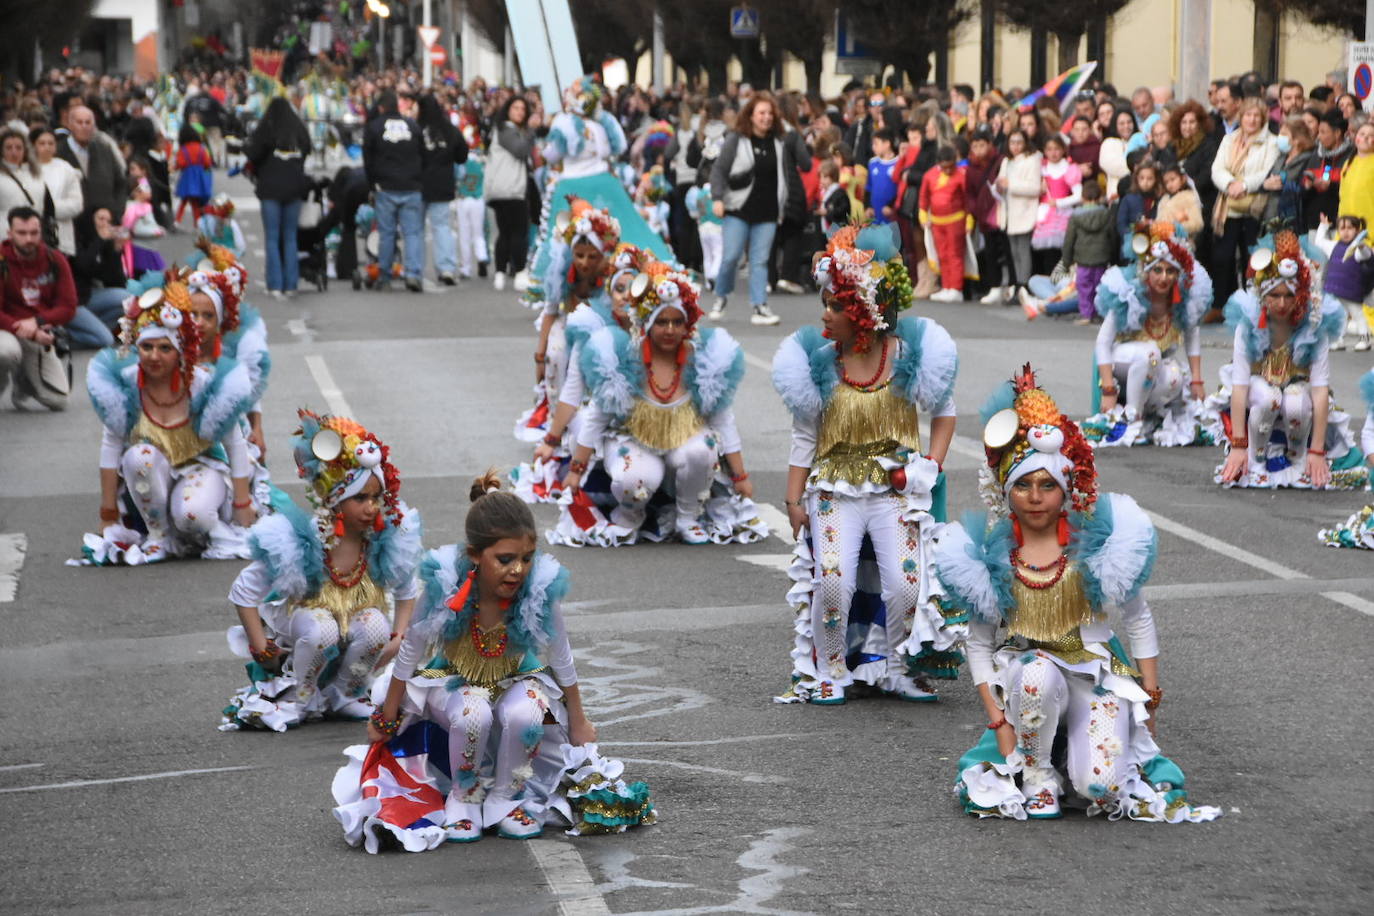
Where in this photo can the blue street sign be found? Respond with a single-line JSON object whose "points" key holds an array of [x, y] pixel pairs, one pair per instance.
{"points": [[846, 46], [744, 22]]}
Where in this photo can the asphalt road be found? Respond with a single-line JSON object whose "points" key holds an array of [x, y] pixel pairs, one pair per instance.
{"points": [[120, 796]]}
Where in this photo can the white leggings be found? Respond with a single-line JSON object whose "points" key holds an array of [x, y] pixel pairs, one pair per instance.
{"points": [[472, 232], [515, 721], [1151, 381], [637, 471], [1290, 408], [712, 247], [314, 631], [1045, 698], [838, 525], [191, 505]]}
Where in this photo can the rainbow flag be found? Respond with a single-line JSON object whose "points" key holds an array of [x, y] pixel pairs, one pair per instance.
{"points": [[1063, 87]]}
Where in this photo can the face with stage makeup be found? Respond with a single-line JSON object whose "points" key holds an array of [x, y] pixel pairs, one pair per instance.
{"points": [[159, 358], [620, 297], [206, 318], [503, 566], [359, 511], [588, 261], [1036, 500]]}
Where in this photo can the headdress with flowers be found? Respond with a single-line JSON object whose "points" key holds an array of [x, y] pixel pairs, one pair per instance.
{"points": [[1281, 265], [585, 223], [627, 258], [1155, 243], [863, 270], [584, 95], [223, 292], [159, 305], [221, 206], [336, 457], [1025, 431], [660, 286]]}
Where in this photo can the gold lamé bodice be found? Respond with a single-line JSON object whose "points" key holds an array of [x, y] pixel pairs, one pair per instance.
{"points": [[661, 426], [1277, 367], [343, 603], [857, 427], [1050, 618], [1167, 341], [462, 658], [180, 443]]}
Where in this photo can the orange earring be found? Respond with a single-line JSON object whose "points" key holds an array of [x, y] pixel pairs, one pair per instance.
{"points": [[338, 526], [1063, 529], [1016, 531], [378, 522]]}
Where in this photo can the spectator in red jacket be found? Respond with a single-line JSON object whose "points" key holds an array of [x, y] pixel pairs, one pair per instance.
{"points": [[946, 212], [37, 296]]}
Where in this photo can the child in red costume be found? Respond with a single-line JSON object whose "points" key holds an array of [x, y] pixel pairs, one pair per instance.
{"points": [[945, 210]]}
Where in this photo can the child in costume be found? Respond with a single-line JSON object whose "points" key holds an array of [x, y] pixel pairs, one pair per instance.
{"points": [[217, 223], [313, 603], [1037, 577], [1348, 274], [946, 216], [195, 183], [175, 473], [485, 673], [1150, 344], [857, 472], [471, 210], [139, 217], [1358, 530], [651, 197], [1279, 381], [576, 273], [710, 228], [661, 422]]}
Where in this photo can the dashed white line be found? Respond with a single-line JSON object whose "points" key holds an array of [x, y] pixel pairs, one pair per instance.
{"points": [[19, 766], [79, 783], [12, 549], [568, 878], [325, 380]]}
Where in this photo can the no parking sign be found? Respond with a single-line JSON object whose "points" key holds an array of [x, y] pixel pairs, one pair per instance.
{"points": [[1360, 66]]}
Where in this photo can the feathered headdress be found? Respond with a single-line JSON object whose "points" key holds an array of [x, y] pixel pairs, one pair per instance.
{"points": [[159, 305], [221, 205], [1025, 431], [1282, 265], [584, 95], [337, 456], [221, 271], [658, 287], [582, 222], [863, 270]]}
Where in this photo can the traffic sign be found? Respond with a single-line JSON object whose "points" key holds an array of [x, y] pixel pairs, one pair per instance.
{"points": [[429, 34], [1360, 67], [437, 55], [744, 22], [851, 57]]}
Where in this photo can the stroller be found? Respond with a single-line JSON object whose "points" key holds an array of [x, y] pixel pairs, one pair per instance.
{"points": [[310, 237]]}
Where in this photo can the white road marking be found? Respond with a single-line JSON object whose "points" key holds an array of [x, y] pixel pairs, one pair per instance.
{"points": [[79, 783], [19, 766], [1178, 529], [758, 362], [777, 521], [247, 204], [568, 878], [1363, 605], [716, 771], [325, 380], [712, 741], [12, 550], [297, 327]]}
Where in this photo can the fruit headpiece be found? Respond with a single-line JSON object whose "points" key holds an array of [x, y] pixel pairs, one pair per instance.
{"points": [[654, 185], [658, 287], [1281, 265], [627, 259], [337, 457], [1154, 243], [159, 305], [584, 95], [1024, 431], [221, 206], [862, 269], [582, 222]]}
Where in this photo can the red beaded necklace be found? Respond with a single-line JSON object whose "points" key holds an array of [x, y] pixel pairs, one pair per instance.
{"points": [[1059, 565], [481, 644], [154, 420], [871, 384], [354, 576], [662, 394]]}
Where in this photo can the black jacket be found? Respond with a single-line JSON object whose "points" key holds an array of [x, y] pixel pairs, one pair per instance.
{"points": [[444, 148], [393, 153], [97, 262], [279, 171]]}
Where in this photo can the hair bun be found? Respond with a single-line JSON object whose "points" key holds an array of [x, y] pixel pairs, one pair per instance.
{"points": [[485, 484]]}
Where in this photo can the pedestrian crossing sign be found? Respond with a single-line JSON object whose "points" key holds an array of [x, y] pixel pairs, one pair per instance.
{"points": [[744, 22]]}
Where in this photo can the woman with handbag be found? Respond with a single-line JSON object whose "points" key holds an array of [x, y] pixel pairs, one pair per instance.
{"points": [[21, 184], [1243, 161]]}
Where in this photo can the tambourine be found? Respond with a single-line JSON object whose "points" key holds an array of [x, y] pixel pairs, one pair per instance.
{"points": [[639, 286], [1140, 243], [563, 220], [150, 299], [1261, 258], [1001, 428], [326, 445]]}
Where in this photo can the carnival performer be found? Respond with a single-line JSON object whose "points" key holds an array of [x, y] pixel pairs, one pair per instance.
{"points": [[575, 275], [217, 224], [1358, 530], [1038, 577], [312, 605], [1279, 381], [541, 480], [486, 672], [582, 140], [174, 467], [1150, 344], [661, 422], [857, 472]]}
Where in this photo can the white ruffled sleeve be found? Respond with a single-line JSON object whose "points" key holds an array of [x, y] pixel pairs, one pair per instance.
{"points": [[409, 590], [252, 586], [1367, 435], [1140, 628], [727, 431], [979, 647], [574, 385], [560, 651], [804, 432], [111, 449], [1106, 340]]}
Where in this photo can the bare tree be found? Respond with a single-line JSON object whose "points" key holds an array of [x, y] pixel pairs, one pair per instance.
{"points": [[904, 33], [1066, 20]]}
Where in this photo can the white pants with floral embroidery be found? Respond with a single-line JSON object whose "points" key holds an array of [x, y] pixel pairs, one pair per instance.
{"points": [[1288, 408], [637, 471], [1151, 381], [186, 501], [314, 632]]}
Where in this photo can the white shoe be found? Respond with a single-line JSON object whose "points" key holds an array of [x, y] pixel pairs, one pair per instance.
{"points": [[763, 315], [948, 295], [828, 694], [787, 286], [1362, 344], [909, 689], [522, 281], [464, 831], [519, 826], [1042, 802], [995, 296], [1338, 343], [499, 281], [691, 532], [718, 308]]}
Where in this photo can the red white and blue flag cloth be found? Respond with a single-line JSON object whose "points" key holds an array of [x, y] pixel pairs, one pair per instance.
{"points": [[399, 786]]}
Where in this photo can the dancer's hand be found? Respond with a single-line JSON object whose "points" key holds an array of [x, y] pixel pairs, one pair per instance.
{"points": [[1108, 402], [1197, 390], [246, 516], [375, 735], [1235, 465], [1006, 738], [745, 488], [796, 514], [1318, 471], [543, 452], [581, 731], [388, 653], [573, 482], [256, 437]]}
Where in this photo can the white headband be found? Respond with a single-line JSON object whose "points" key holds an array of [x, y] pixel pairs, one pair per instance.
{"points": [[1058, 465], [353, 483]]}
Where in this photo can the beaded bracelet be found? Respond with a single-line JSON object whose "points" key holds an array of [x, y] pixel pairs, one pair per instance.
{"points": [[1241, 443], [269, 652], [384, 725], [1156, 697], [577, 467], [740, 479], [552, 440], [1319, 452], [243, 505], [993, 726]]}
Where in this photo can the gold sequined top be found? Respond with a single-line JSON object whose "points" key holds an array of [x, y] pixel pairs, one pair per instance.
{"points": [[1049, 618], [343, 603], [1170, 339], [661, 426], [462, 659], [858, 427], [1277, 367], [180, 444]]}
